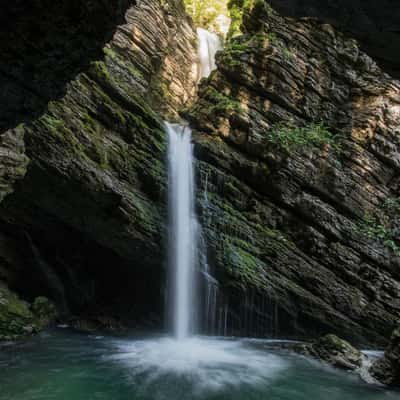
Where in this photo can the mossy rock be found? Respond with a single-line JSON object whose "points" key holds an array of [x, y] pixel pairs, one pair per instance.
{"points": [[334, 351], [16, 319], [45, 311]]}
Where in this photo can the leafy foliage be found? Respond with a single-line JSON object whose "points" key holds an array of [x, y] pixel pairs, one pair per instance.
{"points": [[289, 137], [384, 229], [205, 13]]}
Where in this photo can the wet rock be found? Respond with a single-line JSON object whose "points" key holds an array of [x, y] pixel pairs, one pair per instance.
{"points": [[92, 198], [16, 319], [45, 311], [387, 369], [13, 160], [285, 217], [334, 351], [98, 324]]}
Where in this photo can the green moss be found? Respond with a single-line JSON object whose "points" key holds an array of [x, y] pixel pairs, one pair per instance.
{"points": [[100, 70], [287, 54], [113, 55], [233, 51], [15, 317], [53, 124], [245, 268], [221, 103], [44, 310]]}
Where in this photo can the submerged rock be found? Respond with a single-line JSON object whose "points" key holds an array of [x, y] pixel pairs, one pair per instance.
{"points": [[334, 351], [387, 369]]}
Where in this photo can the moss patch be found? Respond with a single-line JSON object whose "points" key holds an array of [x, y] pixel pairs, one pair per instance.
{"points": [[16, 319]]}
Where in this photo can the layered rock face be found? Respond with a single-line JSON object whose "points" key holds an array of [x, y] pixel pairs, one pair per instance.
{"points": [[297, 137], [387, 369], [44, 45], [85, 223], [374, 24], [298, 171]]}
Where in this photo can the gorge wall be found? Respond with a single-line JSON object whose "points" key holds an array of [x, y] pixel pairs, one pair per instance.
{"points": [[86, 219], [294, 225], [301, 219], [374, 24]]}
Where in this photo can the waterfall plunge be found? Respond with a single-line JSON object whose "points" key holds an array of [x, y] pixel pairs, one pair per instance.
{"points": [[184, 227]]}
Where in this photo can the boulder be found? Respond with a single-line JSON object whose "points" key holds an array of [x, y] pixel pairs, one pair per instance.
{"points": [[16, 319], [387, 369], [45, 311], [334, 351]]}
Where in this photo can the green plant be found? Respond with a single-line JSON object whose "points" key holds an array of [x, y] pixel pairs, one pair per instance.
{"points": [[392, 205], [289, 137], [271, 37], [287, 54], [379, 229], [205, 13], [223, 103]]}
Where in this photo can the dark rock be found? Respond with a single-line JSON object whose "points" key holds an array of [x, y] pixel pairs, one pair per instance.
{"points": [[13, 160], [44, 44], [387, 369], [98, 324], [45, 311], [283, 221], [374, 24], [93, 197], [16, 319], [334, 351]]}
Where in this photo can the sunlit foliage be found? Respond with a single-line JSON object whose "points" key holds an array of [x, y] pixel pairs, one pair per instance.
{"points": [[208, 14]]}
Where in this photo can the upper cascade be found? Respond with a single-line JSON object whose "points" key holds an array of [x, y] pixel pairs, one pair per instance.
{"points": [[209, 45]]}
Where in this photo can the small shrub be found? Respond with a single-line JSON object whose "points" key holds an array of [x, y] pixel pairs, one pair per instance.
{"points": [[289, 137], [380, 230]]}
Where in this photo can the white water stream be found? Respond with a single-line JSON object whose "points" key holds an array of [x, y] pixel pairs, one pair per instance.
{"points": [[184, 227], [209, 44]]}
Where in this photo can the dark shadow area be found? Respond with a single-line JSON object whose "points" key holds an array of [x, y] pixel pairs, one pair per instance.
{"points": [[81, 277], [375, 24], [44, 44]]}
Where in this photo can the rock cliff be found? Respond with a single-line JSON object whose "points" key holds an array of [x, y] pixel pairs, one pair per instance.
{"points": [[387, 369], [296, 135], [86, 220], [297, 141], [374, 24]]}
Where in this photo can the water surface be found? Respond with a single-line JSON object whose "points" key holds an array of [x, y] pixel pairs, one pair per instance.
{"points": [[63, 365]]}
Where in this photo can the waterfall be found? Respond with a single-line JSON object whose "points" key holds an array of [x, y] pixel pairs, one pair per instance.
{"points": [[184, 229], [209, 44]]}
